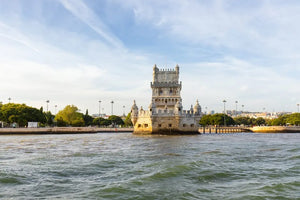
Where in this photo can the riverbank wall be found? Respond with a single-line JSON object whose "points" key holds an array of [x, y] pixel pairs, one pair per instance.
{"points": [[275, 129], [61, 130]]}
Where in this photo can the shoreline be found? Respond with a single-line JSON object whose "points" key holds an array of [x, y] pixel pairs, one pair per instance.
{"points": [[61, 130], [275, 129]]}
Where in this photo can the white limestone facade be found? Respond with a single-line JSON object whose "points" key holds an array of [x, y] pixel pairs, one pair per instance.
{"points": [[165, 114]]}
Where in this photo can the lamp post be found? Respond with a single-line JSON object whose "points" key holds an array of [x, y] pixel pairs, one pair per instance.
{"points": [[224, 101], [9, 99], [236, 104], [99, 108], [112, 107], [242, 108], [123, 110], [298, 106], [47, 104], [55, 109]]}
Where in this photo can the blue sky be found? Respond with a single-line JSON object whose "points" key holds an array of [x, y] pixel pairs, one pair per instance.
{"points": [[79, 52]]}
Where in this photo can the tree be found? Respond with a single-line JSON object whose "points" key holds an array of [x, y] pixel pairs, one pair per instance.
{"points": [[205, 120], [99, 121], [259, 121], [127, 121], [280, 121], [70, 116], [116, 120], [242, 121], [21, 114], [88, 120], [216, 119], [293, 119], [49, 118]]}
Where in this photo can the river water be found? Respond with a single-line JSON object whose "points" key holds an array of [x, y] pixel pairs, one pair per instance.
{"points": [[125, 166]]}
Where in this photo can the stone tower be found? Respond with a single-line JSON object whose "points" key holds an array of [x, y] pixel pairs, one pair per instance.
{"points": [[165, 114], [166, 88]]}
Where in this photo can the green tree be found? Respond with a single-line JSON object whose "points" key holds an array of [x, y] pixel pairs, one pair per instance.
{"points": [[70, 116], [293, 119], [97, 121], [49, 118], [259, 121], [21, 114], [116, 120], [280, 121], [205, 120], [106, 122], [216, 119], [88, 120], [127, 121], [242, 121]]}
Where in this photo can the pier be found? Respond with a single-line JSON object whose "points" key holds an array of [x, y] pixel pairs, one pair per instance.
{"points": [[223, 129]]}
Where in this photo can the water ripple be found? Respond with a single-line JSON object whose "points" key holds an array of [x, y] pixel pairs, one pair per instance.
{"points": [[125, 166]]}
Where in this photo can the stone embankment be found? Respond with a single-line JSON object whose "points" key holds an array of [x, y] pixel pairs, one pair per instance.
{"points": [[221, 129], [61, 130], [275, 129]]}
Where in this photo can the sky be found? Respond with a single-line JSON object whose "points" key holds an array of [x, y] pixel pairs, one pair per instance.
{"points": [[81, 52]]}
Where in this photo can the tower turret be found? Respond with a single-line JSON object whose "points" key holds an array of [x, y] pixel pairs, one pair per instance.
{"points": [[177, 69], [134, 113], [197, 108], [178, 108], [152, 107]]}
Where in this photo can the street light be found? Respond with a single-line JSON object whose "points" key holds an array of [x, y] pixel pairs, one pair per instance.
{"points": [[224, 101], [242, 108], [112, 107], [9, 99], [99, 108], [298, 106], [236, 104], [47, 104], [55, 108], [123, 110]]}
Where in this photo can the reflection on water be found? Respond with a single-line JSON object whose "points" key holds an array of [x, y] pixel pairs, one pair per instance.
{"points": [[125, 166]]}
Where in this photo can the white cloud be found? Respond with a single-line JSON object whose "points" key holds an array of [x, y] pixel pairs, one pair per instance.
{"points": [[258, 62], [66, 76], [79, 9]]}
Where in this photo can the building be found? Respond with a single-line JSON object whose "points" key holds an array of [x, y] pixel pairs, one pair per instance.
{"points": [[165, 114]]}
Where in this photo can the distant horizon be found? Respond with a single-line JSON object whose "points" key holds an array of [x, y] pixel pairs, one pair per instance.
{"points": [[81, 52]]}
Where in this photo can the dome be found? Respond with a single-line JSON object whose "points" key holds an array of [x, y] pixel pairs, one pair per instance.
{"points": [[197, 108]]}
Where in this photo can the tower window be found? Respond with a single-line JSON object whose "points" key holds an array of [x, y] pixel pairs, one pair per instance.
{"points": [[159, 125], [170, 125], [146, 125], [192, 125]]}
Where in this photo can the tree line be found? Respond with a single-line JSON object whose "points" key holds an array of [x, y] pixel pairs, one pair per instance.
{"points": [[218, 120], [70, 116]]}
